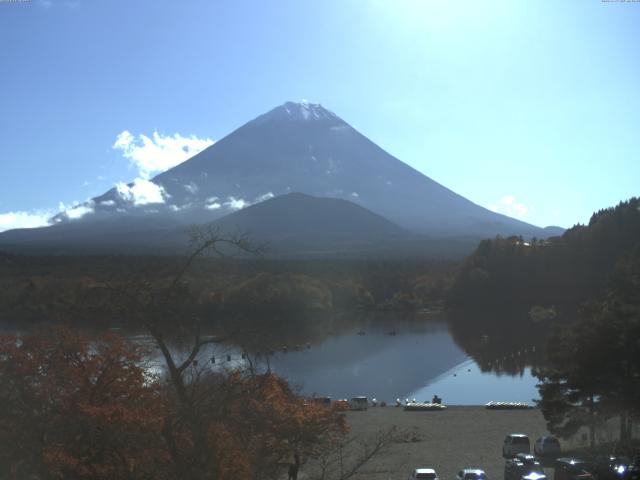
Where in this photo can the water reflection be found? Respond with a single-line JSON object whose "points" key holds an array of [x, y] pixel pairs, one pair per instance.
{"points": [[465, 360], [501, 344]]}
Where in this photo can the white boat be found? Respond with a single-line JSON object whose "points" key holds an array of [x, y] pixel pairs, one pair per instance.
{"points": [[424, 407], [507, 405]]}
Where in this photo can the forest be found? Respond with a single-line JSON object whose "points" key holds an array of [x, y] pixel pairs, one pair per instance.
{"points": [[39, 287], [86, 405], [562, 272]]}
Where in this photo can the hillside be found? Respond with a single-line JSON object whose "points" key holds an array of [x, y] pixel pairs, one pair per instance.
{"points": [[296, 147], [562, 271]]}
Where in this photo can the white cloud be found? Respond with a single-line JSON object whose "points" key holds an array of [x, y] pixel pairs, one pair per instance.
{"points": [[212, 203], [508, 200], [234, 203], [192, 188], [177, 208], [76, 210], [108, 203], [509, 205], [11, 220], [158, 153], [141, 192], [79, 211], [264, 197]]}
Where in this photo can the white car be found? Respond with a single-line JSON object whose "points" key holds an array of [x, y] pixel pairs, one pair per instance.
{"points": [[423, 473], [471, 474], [546, 446], [514, 444]]}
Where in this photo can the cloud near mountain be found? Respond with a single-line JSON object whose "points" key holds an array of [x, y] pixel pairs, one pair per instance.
{"points": [[295, 147], [158, 153], [11, 220]]}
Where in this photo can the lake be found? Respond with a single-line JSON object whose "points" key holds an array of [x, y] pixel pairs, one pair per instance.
{"points": [[388, 357], [385, 356]]}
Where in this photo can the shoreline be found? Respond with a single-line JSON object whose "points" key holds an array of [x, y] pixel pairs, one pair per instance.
{"points": [[460, 436]]}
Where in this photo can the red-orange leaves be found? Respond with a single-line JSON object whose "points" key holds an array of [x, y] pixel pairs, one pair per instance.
{"points": [[73, 408]]}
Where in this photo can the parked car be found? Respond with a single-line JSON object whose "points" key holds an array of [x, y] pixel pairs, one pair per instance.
{"points": [[471, 474], [358, 403], [515, 443], [616, 467], [546, 447], [572, 469], [523, 466], [325, 401], [423, 473]]}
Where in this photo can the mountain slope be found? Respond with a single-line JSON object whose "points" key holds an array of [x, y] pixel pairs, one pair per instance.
{"points": [[296, 147], [299, 214], [306, 148], [297, 224], [294, 225]]}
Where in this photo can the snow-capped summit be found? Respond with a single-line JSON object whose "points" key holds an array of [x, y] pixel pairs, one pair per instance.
{"points": [[295, 147], [302, 111]]}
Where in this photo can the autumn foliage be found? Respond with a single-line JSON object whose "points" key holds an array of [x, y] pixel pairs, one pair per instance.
{"points": [[81, 408]]}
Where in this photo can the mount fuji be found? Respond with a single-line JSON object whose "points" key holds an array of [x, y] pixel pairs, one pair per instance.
{"points": [[296, 147]]}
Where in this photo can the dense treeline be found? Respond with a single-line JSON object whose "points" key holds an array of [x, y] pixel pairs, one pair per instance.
{"points": [[593, 368], [51, 287], [562, 271]]}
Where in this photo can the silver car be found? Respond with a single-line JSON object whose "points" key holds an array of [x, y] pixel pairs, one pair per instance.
{"points": [[423, 473], [514, 444], [471, 474]]}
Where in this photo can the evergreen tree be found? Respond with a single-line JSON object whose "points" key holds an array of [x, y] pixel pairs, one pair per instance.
{"points": [[594, 364]]}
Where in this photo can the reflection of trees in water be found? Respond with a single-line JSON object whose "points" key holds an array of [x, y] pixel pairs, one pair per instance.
{"points": [[498, 343], [504, 343], [299, 330]]}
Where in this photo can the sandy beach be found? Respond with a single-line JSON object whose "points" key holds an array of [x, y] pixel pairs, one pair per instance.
{"points": [[459, 437]]}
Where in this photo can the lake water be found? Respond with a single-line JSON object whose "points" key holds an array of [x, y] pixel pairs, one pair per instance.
{"points": [[388, 358], [416, 362]]}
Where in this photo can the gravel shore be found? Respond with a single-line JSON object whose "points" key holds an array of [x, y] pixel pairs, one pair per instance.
{"points": [[448, 440]]}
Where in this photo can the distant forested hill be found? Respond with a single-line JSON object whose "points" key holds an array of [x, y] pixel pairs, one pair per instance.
{"points": [[562, 271]]}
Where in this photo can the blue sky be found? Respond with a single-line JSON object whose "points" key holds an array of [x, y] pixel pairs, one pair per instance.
{"points": [[531, 108]]}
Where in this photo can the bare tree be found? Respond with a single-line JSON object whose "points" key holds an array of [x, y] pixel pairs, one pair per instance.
{"points": [[344, 459], [167, 310]]}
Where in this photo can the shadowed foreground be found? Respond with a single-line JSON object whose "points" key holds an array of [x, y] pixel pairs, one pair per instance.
{"points": [[448, 440]]}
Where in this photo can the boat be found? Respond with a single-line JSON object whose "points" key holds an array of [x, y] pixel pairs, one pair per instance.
{"points": [[507, 406], [424, 407]]}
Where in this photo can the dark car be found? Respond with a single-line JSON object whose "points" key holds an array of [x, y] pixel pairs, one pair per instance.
{"points": [[523, 466], [546, 447], [616, 467], [572, 469]]}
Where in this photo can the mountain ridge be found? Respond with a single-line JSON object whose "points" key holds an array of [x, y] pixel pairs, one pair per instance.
{"points": [[297, 147]]}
